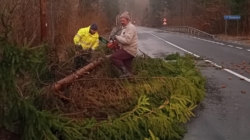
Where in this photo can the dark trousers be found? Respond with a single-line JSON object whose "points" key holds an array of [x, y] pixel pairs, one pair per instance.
{"points": [[121, 58]]}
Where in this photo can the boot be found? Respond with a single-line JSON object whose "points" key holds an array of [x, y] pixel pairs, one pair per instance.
{"points": [[125, 72]]}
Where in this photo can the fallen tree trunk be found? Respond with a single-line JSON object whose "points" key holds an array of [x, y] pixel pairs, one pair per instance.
{"points": [[72, 77]]}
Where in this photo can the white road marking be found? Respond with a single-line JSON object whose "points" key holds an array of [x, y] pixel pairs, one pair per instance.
{"points": [[209, 41], [248, 50], [227, 70], [238, 75], [219, 43], [208, 61], [175, 45], [196, 55], [213, 63], [199, 38], [215, 43]]}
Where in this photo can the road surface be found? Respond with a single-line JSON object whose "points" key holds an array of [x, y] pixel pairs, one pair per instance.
{"points": [[225, 112]]}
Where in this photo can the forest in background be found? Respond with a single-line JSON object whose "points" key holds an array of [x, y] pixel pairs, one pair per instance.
{"points": [[64, 17], [21, 20], [206, 15]]}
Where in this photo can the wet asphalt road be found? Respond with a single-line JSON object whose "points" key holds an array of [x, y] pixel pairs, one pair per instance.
{"points": [[225, 112]]}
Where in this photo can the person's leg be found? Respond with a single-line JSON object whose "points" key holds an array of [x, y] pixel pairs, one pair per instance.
{"points": [[118, 59], [128, 64]]}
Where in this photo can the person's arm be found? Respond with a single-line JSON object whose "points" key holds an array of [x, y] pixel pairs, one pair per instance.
{"points": [[79, 36], [127, 38], [95, 45]]}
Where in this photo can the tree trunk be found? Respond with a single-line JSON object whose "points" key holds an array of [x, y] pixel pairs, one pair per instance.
{"points": [[247, 17], [43, 20], [71, 78]]}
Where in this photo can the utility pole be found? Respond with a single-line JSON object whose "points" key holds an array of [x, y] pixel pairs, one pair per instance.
{"points": [[52, 23], [43, 19]]}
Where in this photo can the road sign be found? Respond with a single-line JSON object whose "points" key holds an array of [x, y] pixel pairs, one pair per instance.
{"points": [[232, 17], [164, 21]]}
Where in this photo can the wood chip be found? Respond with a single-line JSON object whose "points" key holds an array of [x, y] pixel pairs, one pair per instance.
{"points": [[223, 86], [243, 92], [242, 79]]}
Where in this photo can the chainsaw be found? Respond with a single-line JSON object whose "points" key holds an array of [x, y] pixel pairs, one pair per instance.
{"points": [[111, 44]]}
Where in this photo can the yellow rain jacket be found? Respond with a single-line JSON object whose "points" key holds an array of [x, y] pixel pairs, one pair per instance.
{"points": [[86, 40]]}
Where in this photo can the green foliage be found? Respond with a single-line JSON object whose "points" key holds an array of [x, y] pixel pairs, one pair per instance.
{"points": [[169, 96], [162, 100], [185, 79], [135, 124], [173, 56], [152, 67], [19, 63], [18, 67], [152, 136], [156, 102]]}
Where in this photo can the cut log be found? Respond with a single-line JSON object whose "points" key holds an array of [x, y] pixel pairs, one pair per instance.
{"points": [[72, 77]]}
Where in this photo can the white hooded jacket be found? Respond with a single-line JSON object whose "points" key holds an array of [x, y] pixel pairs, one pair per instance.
{"points": [[129, 39]]}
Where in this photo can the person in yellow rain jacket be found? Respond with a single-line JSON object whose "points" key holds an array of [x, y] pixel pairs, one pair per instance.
{"points": [[87, 38]]}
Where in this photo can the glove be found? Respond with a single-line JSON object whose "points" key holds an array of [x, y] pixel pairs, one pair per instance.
{"points": [[92, 49]]}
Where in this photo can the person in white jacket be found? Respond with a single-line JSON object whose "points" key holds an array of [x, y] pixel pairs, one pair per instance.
{"points": [[128, 39]]}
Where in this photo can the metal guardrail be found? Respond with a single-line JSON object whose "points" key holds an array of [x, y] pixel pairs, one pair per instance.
{"points": [[188, 30]]}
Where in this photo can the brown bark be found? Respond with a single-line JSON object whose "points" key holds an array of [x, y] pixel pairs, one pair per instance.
{"points": [[43, 14], [72, 77], [247, 18]]}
